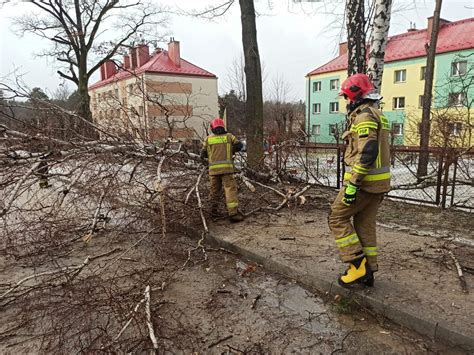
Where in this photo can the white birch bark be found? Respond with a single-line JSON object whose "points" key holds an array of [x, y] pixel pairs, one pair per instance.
{"points": [[378, 41]]}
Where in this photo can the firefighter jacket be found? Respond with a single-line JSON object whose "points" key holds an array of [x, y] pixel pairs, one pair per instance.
{"points": [[219, 149], [367, 155]]}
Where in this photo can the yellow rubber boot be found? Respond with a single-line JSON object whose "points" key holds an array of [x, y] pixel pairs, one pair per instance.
{"points": [[358, 272]]}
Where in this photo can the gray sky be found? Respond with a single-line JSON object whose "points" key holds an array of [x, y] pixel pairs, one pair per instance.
{"points": [[293, 39]]}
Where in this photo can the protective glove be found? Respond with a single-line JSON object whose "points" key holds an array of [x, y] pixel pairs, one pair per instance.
{"points": [[350, 194]]}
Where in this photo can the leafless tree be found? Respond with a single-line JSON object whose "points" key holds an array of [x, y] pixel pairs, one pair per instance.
{"points": [[85, 34], [428, 93]]}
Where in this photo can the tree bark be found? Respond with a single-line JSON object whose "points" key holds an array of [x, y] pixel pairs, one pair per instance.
{"points": [[428, 92], [253, 78], [356, 50], [378, 41]]}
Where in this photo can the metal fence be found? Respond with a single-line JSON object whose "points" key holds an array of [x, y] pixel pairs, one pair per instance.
{"points": [[448, 183]]}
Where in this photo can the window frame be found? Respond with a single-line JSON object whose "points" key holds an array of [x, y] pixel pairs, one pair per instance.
{"points": [[461, 98], [404, 76], [317, 86], [331, 86], [456, 132], [318, 133], [314, 111], [397, 99], [456, 65], [330, 107], [423, 73], [400, 132], [332, 129]]}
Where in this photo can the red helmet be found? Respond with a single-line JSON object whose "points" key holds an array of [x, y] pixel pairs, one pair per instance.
{"points": [[217, 122], [356, 87]]}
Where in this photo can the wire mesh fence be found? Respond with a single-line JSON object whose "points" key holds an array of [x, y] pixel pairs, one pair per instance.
{"points": [[449, 181]]}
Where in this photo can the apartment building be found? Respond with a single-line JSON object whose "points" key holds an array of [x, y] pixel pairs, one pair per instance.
{"points": [[403, 86], [154, 96]]}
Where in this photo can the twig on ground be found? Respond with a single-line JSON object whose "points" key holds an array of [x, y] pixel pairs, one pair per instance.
{"points": [[217, 342], [148, 318], [204, 223], [460, 274]]}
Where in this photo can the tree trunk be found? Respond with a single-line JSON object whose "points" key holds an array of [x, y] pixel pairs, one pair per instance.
{"points": [[425, 118], [378, 41], [253, 78], [355, 22]]}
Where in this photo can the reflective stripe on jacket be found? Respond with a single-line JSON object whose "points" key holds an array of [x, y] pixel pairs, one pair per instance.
{"points": [[367, 153], [219, 153]]}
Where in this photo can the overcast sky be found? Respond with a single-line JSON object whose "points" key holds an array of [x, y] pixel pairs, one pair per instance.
{"points": [[293, 39]]}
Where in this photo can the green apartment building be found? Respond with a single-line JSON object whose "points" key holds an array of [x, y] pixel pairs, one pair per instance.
{"points": [[403, 87]]}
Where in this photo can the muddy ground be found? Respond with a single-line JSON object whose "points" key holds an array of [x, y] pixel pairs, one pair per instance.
{"points": [[219, 305]]}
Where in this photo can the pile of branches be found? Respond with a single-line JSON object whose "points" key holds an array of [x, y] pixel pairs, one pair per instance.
{"points": [[85, 256]]}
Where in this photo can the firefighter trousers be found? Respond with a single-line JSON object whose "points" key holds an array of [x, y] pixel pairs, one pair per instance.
{"points": [[356, 238], [230, 190]]}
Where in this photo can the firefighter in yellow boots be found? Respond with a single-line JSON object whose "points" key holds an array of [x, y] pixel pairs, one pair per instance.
{"points": [[219, 149], [367, 178]]}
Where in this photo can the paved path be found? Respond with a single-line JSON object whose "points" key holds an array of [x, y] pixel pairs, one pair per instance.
{"points": [[417, 285]]}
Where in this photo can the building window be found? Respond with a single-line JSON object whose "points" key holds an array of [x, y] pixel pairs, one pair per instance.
{"points": [[456, 99], [398, 103], [316, 108], [140, 110], [332, 129], [116, 93], [422, 73], [316, 130], [397, 129], [455, 128], [400, 76], [458, 68], [334, 84], [333, 107], [420, 101], [130, 88], [316, 86]]}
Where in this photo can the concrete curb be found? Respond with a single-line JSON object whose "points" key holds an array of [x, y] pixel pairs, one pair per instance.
{"points": [[437, 331]]}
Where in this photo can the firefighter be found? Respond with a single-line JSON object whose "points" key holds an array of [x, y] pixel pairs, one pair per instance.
{"points": [[219, 148], [366, 180]]}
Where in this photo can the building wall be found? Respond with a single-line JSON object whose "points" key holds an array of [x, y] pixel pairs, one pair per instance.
{"points": [[136, 106], [324, 97]]}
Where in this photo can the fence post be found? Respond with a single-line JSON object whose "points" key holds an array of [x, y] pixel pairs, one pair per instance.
{"points": [[453, 186], [439, 178], [445, 180]]}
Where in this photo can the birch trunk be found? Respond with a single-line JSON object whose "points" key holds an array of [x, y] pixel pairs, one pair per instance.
{"points": [[378, 41], [355, 23]]}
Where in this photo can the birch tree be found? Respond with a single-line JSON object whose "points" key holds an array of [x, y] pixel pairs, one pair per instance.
{"points": [[355, 24], [378, 41]]}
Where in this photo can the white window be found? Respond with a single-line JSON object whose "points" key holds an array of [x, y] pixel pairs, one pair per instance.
{"points": [[455, 128], [332, 129], [316, 108], [422, 73], [334, 84], [316, 86], [420, 101], [398, 103], [400, 76], [316, 130], [333, 107], [458, 68], [130, 88], [116, 93], [397, 129], [456, 99]]}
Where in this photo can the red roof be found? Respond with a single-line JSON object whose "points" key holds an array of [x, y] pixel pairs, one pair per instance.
{"points": [[453, 36], [159, 63]]}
